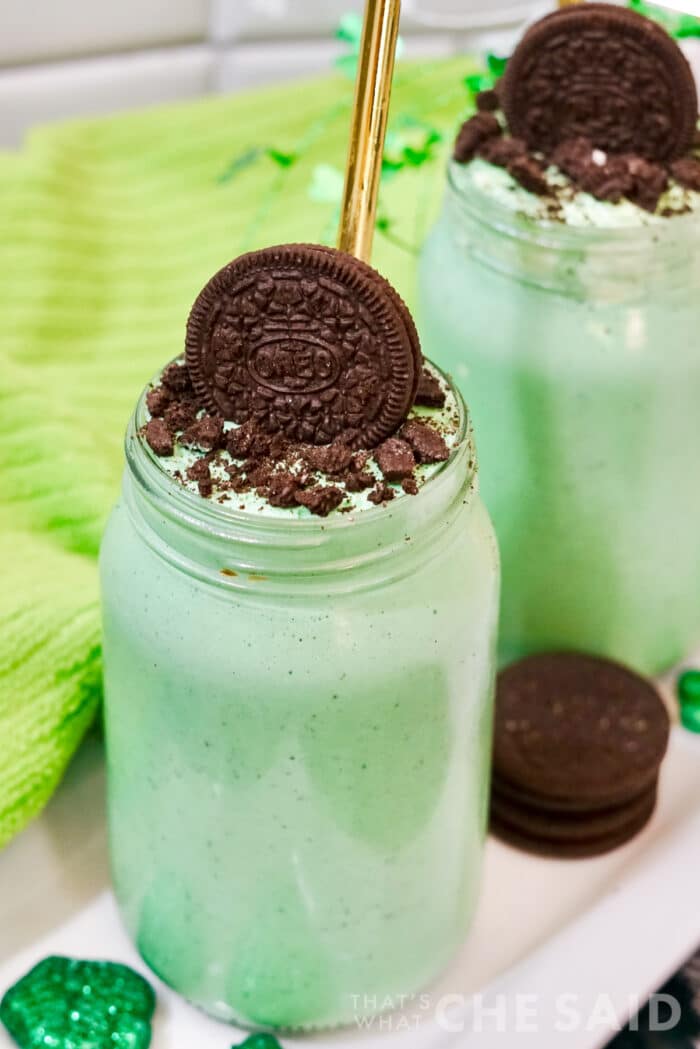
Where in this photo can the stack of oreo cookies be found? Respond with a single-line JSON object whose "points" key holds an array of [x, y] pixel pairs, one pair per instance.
{"points": [[578, 746]]}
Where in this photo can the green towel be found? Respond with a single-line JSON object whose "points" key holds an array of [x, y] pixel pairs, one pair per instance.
{"points": [[108, 230]]}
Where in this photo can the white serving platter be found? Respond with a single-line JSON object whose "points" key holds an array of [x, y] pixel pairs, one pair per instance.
{"points": [[560, 956]]}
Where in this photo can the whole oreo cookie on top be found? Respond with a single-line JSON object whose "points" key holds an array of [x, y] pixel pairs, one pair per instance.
{"points": [[305, 341], [579, 729], [604, 73]]}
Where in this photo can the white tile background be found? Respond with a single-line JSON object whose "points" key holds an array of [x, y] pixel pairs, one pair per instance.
{"points": [[61, 58]]}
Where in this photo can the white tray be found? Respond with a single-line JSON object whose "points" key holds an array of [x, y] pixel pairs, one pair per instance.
{"points": [[606, 932]]}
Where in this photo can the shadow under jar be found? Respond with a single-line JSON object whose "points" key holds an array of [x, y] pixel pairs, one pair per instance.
{"points": [[579, 352], [298, 719]]}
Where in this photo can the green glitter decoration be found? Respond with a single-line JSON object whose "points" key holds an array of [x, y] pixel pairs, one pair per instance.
{"points": [[66, 1004], [261, 1040], [689, 698]]}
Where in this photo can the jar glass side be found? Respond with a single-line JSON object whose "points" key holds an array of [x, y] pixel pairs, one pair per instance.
{"points": [[299, 774], [589, 435]]}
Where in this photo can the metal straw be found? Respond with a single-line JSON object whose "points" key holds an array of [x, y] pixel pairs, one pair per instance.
{"points": [[370, 112]]}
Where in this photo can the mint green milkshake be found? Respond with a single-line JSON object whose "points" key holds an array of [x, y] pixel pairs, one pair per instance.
{"points": [[559, 288], [298, 718], [577, 350]]}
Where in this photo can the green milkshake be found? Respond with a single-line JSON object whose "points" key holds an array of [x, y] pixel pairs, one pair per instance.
{"points": [[298, 694], [559, 288]]}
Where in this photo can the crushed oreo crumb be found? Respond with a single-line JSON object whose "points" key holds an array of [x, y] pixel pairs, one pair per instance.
{"points": [[201, 473], [180, 415], [427, 444], [606, 176], [395, 459], [686, 171], [321, 499], [503, 150], [530, 174], [488, 101], [283, 489], [650, 180], [382, 493], [430, 393], [159, 437], [473, 133], [329, 458], [176, 378], [286, 474], [157, 400], [240, 442], [206, 433]]}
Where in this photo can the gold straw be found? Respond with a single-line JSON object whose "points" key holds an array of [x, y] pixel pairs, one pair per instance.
{"points": [[371, 109], [567, 3]]}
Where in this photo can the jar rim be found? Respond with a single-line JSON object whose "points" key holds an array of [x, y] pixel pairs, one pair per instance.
{"points": [[486, 211], [203, 514]]}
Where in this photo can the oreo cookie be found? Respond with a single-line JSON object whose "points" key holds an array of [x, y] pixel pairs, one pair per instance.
{"points": [[577, 750], [554, 826], [574, 848], [305, 341], [604, 73]]}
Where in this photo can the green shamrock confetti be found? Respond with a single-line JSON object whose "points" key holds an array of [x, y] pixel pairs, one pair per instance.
{"points": [[689, 699], [496, 65], [326, 185], [66, 1004], [349, 29], [676, 23], [283, 160], [260, 1040], [486, 78], [251, 156], [349, 32], [241, 162], [477, 82], [409, 143]]}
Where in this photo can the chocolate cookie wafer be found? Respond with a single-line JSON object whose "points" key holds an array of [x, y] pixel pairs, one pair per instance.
{"points": [[577, 750], [604, 73], [575, 847], [305, 341], [544, 824]]}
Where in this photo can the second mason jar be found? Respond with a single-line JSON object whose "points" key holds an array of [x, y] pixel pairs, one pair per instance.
{"points": [[298, 718], [577, 349]]}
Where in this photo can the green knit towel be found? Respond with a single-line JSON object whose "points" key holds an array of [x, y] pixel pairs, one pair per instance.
{"points": [[108, 230]]}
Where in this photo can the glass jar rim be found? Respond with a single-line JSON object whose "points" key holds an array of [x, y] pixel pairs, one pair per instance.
{"points": [[227, 546], [483, 209], [147, 467]]}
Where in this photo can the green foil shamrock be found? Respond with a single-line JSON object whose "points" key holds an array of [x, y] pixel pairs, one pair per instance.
{"points": [[260, 1040], [67, 1004]]}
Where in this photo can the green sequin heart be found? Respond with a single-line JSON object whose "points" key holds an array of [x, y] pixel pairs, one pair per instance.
{"points": [[260, 1040], [67, 1004]]}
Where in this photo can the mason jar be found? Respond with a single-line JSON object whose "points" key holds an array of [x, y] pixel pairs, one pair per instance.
{"points": [[578, 350], [298, 722]]}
